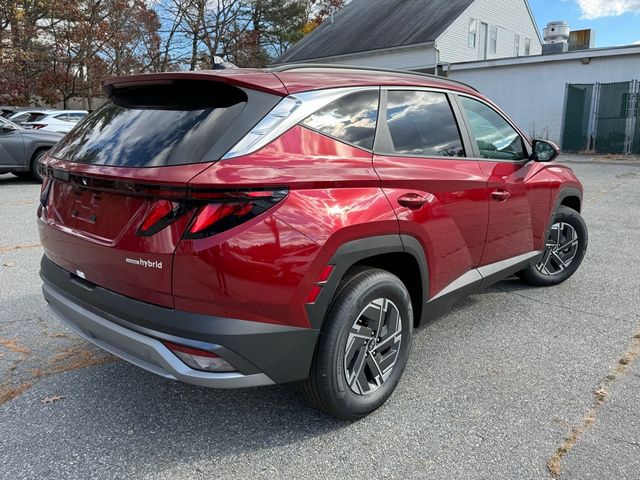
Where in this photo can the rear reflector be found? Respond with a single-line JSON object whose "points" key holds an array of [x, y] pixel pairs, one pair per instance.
{"points": [[325, 274], [199, 359], [313, 294], [320, 282]]}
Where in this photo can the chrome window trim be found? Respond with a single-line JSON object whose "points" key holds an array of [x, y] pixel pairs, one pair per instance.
{"points": [[472, 97], [307, 103], [386, 134]]}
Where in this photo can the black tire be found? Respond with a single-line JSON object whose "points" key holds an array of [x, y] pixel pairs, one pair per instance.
{"points": [[540, 277], [34, 171], [327, 386]]}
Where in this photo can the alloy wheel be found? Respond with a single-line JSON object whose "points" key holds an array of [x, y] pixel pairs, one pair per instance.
{"points": [[373, 346], [560, 250]]}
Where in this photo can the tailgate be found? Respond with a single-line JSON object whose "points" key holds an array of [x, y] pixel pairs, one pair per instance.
{"points": [[93, 233]]}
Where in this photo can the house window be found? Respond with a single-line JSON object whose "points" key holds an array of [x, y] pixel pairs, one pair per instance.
{"points": [[473, 33], [516, 46], [527, 46], [493, 39]]}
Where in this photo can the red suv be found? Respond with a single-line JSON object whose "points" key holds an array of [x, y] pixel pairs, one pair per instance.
{"points": [[250, 227]]}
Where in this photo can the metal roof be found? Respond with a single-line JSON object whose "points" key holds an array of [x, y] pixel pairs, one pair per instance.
{"points": [[365, 25]]}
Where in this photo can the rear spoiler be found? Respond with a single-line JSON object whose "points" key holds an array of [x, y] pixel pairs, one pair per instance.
{"points": [[247, 78]]}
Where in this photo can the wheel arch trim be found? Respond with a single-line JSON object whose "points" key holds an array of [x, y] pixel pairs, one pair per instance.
{"points": [[354, 251]]}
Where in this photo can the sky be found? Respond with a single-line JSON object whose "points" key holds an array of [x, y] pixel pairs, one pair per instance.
{"points": [[616, 22]]}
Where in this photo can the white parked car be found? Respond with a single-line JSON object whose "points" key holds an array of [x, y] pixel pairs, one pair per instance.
{"points": [[22, 116], [57, 120]]}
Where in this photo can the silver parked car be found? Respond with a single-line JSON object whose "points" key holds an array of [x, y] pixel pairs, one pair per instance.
{"points": [[21, 149]]}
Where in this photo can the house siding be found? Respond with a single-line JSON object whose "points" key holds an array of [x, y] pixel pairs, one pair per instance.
{"points": [[510, 16], [408, 58]]}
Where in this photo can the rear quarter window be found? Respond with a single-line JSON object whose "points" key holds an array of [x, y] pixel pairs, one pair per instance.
{"points": [[177, 123], [351, 119]]}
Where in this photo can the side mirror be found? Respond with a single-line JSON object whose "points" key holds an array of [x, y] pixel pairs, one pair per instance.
{"points": [[544, 151]]}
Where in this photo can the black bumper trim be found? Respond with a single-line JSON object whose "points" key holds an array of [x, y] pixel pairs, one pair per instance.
{"points": [[283, 353]]}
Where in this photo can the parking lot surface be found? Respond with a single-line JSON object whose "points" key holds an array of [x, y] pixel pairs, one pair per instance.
{"points": [[514, 382]]}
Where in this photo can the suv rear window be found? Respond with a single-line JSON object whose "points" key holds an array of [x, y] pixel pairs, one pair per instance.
{"points": [[157, 125]]}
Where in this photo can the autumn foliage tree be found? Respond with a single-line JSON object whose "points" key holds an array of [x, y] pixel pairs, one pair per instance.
{"points": [[57, 50]]}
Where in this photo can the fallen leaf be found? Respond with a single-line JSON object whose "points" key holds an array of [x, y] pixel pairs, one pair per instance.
{"points": [[54, 398]]}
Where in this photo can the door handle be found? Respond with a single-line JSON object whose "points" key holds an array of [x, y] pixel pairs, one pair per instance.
{"points": [[500, 195], [412, 201]]}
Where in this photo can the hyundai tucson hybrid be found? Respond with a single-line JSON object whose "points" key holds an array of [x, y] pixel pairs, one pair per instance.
{"points": [[239, 228]]}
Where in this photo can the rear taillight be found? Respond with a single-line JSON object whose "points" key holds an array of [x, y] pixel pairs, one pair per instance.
{"points": [[199, 359], [44, 191], [216, 210], [161, 214], [230, 210], [37, 126]]}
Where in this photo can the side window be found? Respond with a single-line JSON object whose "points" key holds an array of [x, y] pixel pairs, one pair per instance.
{"points": [[473, 33], [493, 40], [351, 119], [422, 123], [493, 134], [63, 116]]}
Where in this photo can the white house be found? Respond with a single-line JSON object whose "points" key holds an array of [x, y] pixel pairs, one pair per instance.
{"points": [[420, 34]]}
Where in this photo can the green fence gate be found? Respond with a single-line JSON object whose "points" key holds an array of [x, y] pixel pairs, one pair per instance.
{"points": [[602, 118], [576, 118]]}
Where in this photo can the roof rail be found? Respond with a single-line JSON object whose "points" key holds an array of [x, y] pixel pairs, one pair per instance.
{"points": [[297, 66]]}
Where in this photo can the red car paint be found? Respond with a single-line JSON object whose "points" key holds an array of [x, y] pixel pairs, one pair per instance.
{"points": [[264, 269]]}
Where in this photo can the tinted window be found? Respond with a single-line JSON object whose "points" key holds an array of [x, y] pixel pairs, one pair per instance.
{"points": [[351, 119], [34, 117], [20, 118], [493, 134], [422, 123], [76, 117], [157, 125]]}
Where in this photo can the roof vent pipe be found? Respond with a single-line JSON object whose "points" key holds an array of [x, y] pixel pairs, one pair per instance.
{"points": [[557, 32]]}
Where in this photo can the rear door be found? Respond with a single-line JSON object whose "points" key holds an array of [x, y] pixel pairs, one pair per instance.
{"points": [[438, 194], [518, 190], [116, 195]]}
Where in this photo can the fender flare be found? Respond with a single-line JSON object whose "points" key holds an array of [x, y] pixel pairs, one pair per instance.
{"points": [[564, 193], [354, 251]]}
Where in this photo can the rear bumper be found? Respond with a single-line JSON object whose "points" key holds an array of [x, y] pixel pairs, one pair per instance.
{"points": [[262, 354]]}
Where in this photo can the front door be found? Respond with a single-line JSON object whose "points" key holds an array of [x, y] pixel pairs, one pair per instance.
{"points": [[518, 191], [439, 196]]}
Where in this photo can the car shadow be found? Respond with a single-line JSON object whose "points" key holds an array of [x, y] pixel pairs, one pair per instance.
{"points": [[167, 419], [11, 179]]}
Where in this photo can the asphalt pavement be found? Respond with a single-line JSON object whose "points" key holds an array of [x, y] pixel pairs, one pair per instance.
{"points": [[512, 383]]}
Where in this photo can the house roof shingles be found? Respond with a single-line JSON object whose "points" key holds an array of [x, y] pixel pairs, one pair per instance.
{"points": [[365, 25]]}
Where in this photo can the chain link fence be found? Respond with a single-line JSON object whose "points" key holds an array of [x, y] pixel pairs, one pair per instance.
{"points": [[602, 118]]}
